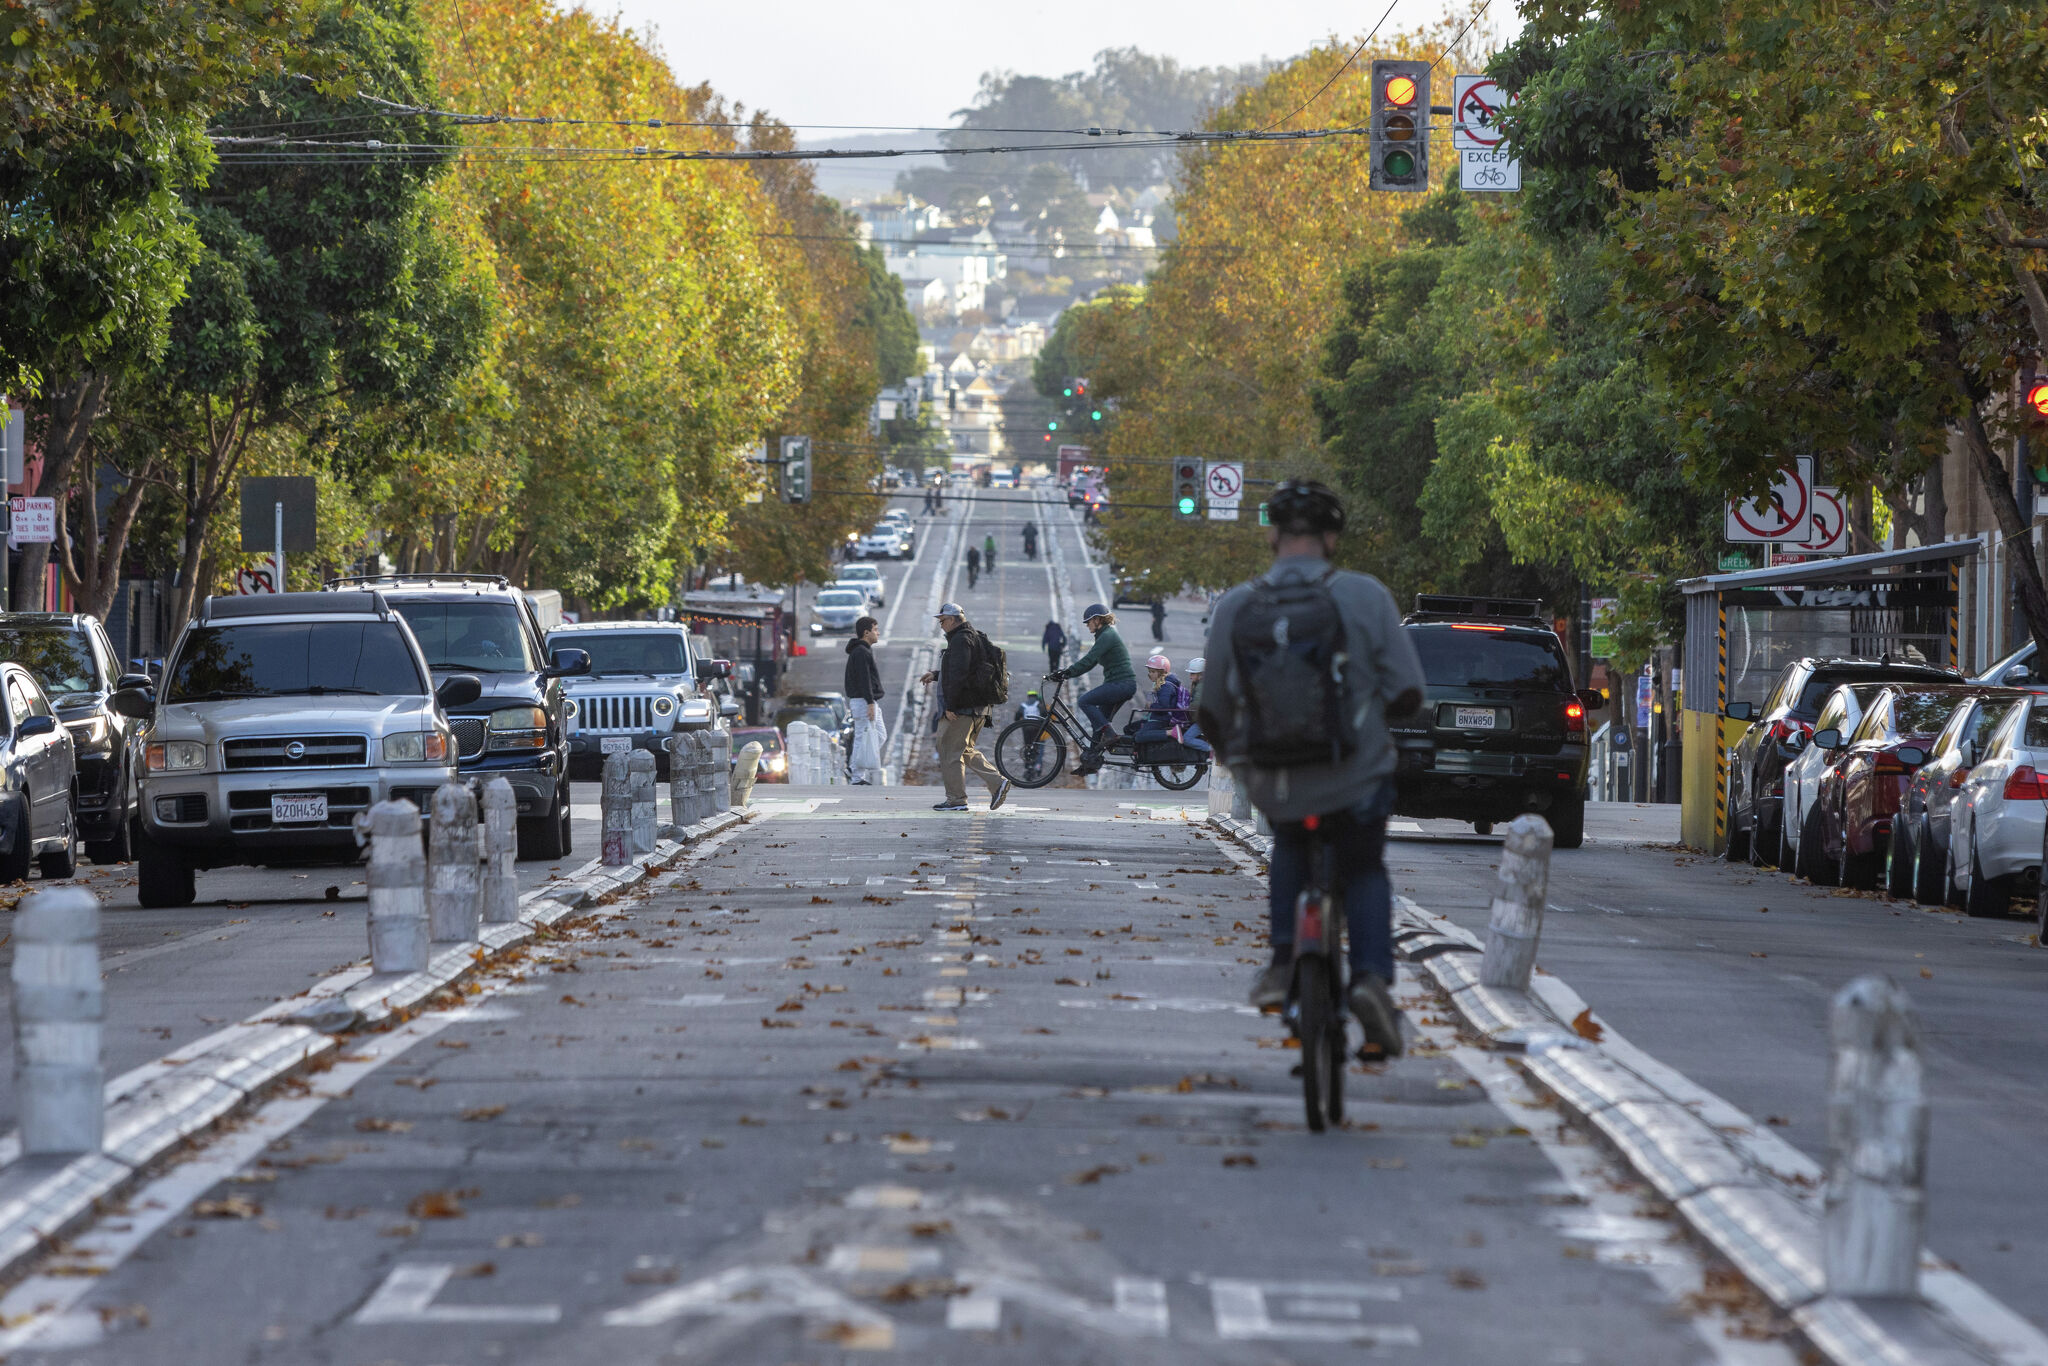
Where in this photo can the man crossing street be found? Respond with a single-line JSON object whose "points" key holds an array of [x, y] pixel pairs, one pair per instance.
{"points": [[962, 714]]}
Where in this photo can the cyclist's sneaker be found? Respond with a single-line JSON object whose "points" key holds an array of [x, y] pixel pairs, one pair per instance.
{"points": [[1270, 991], [1091, 761], [1374, 1009]]}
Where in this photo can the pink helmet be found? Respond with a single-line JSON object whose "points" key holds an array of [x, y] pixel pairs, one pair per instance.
{"points": [[1161, 663]]}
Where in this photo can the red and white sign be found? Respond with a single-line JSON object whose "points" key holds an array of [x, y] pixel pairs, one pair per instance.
{"points": [[1830, 526], [35, 520], [255, 579], [1476, 114], [1783, 514]]}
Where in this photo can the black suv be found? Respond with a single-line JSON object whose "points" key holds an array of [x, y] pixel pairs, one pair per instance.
{"points": [[70, 656], [1501, 730], [480, 624], [1778, 727]]}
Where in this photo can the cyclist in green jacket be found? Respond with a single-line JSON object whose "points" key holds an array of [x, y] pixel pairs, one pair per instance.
{"points": [[1119, 681]]}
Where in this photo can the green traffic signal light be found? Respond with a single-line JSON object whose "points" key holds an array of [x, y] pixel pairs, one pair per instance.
{"points": [[1187, 506], [1068, 391], [1400, 165], [1052, 426], [1096, 415]]}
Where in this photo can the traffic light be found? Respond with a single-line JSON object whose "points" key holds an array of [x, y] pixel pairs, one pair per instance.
{"points": [[2037, 399], [1187, 490], [1400, 126], [796, 469]]}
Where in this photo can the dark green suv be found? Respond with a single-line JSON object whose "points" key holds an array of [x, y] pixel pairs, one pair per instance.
{"points": [[1501, 730]]}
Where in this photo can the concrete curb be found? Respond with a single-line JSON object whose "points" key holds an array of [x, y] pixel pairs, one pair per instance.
{"points": [[1739, 1207], [160, 1104]]}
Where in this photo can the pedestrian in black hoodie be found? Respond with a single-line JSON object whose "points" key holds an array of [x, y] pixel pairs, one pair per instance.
{"points": [[864, 694]]}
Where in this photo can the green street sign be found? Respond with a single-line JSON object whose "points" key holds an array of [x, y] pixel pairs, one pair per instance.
{"points": [[1734, 561]]}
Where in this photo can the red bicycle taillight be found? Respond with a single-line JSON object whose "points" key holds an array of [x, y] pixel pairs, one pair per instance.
{"points": [[2025, 784], [1575, 715]]}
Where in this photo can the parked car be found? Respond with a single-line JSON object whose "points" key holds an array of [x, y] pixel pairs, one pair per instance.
{"points": [[282, 717], [72, 659], [868, 575], [1501, 730], [640, 691], [888, 541], [1920, 833], [837, 609], [774, 766], [1841, 713], [517, 729], [1860, 793], [899, 517], [38, 776], [2016, 670], [1756, 769], [1996, 820]]}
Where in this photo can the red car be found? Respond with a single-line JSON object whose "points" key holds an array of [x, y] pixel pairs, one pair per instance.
{"points": [[1861, 791], [774, 758]]}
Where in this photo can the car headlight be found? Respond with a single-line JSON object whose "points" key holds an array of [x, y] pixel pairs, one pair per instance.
{"points": [[91, 732], [664, 705], [518, 728], [417, 747], [776, 762], [174, 756]]}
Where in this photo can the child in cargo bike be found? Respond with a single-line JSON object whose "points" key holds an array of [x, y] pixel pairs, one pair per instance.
{"points": [[1165, 716]]}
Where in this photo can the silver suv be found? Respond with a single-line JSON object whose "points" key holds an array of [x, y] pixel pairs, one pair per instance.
{"points": [[640, 690], [278, 719]]}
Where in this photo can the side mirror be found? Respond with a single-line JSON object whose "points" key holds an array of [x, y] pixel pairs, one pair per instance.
{"points": [[718, 668], [1827, 739], [1589, 698], [727, 708], [567, 664], [35, 725], [133, 699], [1794, 742], [2018, 676], [1740, 711], [1966, 754], [134, 681], [459, 690], [1912, 756]]}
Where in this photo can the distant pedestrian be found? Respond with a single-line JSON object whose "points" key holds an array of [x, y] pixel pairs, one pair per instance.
{"points": [[1031, 540], [863, 685], [1055, 642], [988, 552], [973, 565], [928, 501], [964, 713], [1119, 682], [1159, 619]]}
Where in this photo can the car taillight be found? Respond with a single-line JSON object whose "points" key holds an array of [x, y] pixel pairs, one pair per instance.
{"points": [[1890, 763], [1575, 715], [2025, 784]]}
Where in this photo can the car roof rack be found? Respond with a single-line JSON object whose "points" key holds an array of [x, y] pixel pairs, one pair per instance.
{"points": [[1455, 607], [218, 608], [451, 577]]}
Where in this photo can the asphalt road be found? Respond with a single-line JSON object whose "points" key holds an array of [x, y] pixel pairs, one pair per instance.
{"points": [[867, 1082], [253, 936]]}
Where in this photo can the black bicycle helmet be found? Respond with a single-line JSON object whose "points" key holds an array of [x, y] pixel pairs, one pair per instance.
{"points": [[1304, 507]]}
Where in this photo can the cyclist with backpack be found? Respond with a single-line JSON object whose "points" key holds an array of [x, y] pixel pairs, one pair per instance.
{"points": [[1119, 682], [1306, 663], [973, 678]]}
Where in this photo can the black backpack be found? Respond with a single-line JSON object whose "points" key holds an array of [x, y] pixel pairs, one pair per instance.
{"points": [[988, 677], [1288, 645]]}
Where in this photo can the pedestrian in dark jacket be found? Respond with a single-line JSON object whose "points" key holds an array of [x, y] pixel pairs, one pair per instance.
{"points": [[863, 686], [1055, 642], [973, 564], [963, 718], [1159, 619]]}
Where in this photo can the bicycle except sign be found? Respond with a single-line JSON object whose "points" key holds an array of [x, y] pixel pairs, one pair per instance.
{"points": [[1225, 485], [1477, 135]]}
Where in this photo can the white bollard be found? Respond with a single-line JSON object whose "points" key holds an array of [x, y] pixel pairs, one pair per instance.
{"points": [[454, 881], [797, 741], [1874, 1206], [640, 787], [718, 764], [501, 851], [744, 773], [58, 1006], [1519, 891], [615, 807], [397, 880], [681, 787]]}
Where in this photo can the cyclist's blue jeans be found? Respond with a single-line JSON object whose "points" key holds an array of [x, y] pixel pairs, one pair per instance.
{"points": [[1358, 851], [1100, 703]]}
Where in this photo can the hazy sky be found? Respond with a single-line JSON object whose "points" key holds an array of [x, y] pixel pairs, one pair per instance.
{"points": [[827, 61]]}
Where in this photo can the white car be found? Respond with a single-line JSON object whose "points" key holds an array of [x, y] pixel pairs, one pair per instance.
{"points": [[899, 517], [867, 575], [1840, 713], [837, 609], [883, 543], [1997, 817]]}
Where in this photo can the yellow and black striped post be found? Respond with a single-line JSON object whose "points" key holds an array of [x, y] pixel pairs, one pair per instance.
{"points": [[1720, 732], [1955, 576]]}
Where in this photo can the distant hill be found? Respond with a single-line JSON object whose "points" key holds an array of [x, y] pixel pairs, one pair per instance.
{"points": [[867, 178]]}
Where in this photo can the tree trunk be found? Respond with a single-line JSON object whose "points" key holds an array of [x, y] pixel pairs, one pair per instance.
{"points": [[2013, 529], [1935, 489], [73, 410]]}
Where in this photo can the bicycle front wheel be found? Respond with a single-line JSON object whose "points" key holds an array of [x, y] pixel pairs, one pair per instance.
{"points": [[1321, 1037], [1030, 753]]}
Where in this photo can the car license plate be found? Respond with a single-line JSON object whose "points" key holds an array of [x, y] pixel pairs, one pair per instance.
{"points": [[1477, 718], [298, 809], [616, 744]]}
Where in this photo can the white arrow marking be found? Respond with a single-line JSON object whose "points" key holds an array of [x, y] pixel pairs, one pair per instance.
{"points": [[747, 1292], [407, 1296], [1139, 1310], [1242, 1312]]}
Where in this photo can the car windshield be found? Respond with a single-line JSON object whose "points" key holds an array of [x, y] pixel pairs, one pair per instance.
{"points": [[61, 660], [885, 529], [770, 741], [627, 652], [845, 597], [1822, 683], [480, 636], [1923, 713], [861, 571], [2037, 729], [263, 660], [1457, 658]]}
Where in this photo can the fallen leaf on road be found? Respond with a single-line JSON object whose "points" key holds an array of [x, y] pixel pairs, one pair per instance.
{"points": [[399, 1230], [475, 1271], [451, 1043], [1468, 1140], [791, 1004], [1927, 972], [1194, 1079], [857, 1337], [1585, 1026], [778, 1024], [371, 1124], [476, 1112], [938, 1228], [923, 1288], [233, 1207], [1465, 1278], [435, 1205], [749, 1119], [1386, 1164], [1240, 1160], [1095, 1174], [711, 1143], [519, 1240], [569, 1000], [986, 1112], [1067, 982], [821, 901]]}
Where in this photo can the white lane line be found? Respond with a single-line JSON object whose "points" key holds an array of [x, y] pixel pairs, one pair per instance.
{"points": [[407, 1296]]}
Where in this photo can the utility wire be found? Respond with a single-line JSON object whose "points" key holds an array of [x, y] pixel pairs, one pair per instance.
{"points": [[1335, 74]]}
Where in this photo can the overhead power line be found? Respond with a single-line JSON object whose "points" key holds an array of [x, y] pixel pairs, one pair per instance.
{"points": [[1335, 74]]}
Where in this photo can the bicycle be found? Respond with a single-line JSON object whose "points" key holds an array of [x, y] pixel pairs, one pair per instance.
{"points": [[1314, 1010], [1026, 744]]}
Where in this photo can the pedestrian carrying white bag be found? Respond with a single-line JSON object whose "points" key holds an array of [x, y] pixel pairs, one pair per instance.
{"points": [[867, 749]]}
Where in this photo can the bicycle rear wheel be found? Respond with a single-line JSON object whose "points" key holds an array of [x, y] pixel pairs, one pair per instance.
{"points": [[1322, 1037], [1030, 753], [1179, 777]]}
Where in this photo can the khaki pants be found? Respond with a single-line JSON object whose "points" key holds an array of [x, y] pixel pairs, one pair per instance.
{"points": [[957, 755]]}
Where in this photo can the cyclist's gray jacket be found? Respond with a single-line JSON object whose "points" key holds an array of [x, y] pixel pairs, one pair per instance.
{"points": [[1383, 666]]}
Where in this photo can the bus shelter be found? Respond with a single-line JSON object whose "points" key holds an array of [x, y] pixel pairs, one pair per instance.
{"points": [[751, 633], [1742, 629]]}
